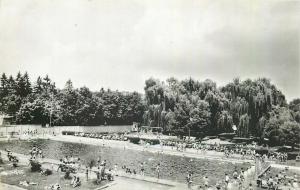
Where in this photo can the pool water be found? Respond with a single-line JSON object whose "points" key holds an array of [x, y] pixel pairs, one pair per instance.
{"points": [[171, 167]]}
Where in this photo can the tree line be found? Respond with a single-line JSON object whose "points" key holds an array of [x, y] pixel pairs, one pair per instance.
{"points": [[199, 108], [255, 107], [43, 103]]}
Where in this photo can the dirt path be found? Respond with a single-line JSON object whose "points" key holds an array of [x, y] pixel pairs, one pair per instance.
{"points": [[4, 186]]}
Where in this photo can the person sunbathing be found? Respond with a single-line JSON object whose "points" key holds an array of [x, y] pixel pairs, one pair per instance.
{"points": [[55, 187]]}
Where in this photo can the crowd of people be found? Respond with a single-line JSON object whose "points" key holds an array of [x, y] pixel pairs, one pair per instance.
{"points": [[278, 156], [238, 180], [71, 166], [35, 153], [279, 179], [115, 136], [243, 151], [101, 170], [29, 132], [240, 151]]}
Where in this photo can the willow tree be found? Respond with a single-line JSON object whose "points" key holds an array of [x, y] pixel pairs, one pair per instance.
{"points": [[238, 107], [225, 122], [170, 122], [243, 128], [261, 127]]}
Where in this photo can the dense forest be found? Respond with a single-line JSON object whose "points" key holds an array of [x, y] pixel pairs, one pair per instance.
{"points": [[35, 103], [256, 107]]}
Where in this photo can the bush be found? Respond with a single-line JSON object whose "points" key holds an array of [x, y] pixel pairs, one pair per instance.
{"points": [[68, 133], [35, 166], [47, 172], [135, 140]]}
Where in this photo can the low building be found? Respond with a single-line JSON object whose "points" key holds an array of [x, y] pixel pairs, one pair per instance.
{"points": [[6, 120]]}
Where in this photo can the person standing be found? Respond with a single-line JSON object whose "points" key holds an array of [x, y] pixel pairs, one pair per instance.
{"points": [[142, 169], [189, 179], [99, 161], [226, 179], [60, 165], [206, 181], [98, 173], [235, 174], [158, 170], [78, 164], [116, 169], [250, 187], [87, 173]]}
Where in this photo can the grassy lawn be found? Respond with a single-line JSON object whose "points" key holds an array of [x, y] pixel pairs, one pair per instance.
{"points": [[23, 173]]}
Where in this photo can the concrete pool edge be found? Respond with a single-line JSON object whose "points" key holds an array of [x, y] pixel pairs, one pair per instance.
{"points": [[148, 179], [279, 166]]}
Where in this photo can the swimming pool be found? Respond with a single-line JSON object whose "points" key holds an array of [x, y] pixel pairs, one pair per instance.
{"points": [[172, 167]]}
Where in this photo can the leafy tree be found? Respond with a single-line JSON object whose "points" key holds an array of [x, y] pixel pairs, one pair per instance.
{"points": [[199, 120], [291, 132], [294, 106], [278, 126], [33, 113]]}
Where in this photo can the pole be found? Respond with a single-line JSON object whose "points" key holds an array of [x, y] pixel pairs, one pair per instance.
{"points": [[50, 117], [50, 111], [190, 128]]}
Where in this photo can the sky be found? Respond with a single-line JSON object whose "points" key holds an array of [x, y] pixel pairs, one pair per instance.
{"points": [[118, 44]]}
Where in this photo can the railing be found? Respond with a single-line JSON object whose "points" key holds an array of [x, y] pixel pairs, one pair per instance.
{"points": [[261, 166]]}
